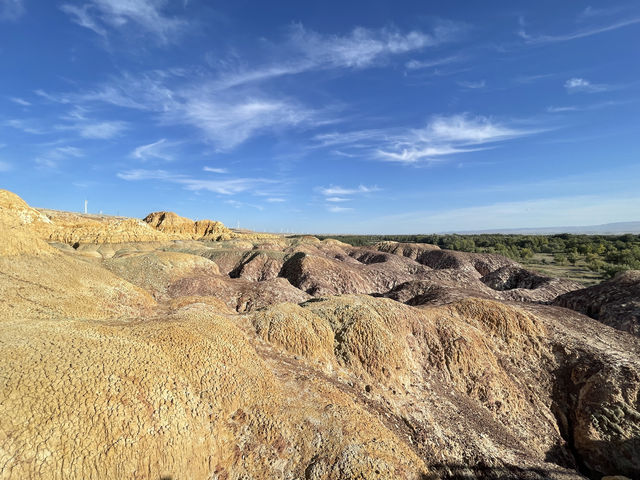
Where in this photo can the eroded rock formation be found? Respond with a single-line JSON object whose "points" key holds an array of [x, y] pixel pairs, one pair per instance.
{"points": [[615, 302], [270, 357], [176, 226]]}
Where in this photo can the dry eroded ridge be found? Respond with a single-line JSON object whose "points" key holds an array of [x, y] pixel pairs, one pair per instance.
{"points": [[169, 349]]}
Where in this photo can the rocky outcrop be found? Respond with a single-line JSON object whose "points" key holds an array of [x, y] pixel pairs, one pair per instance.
{"points": [[75, 229], [523, 285], [156, 271], [596, 391], [177, 227], [18, 227], [320, 276], [238, 294], [415, 251], [432, 256], [615, 302], [258, 266]]}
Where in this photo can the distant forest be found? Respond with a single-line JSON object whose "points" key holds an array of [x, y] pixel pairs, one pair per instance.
{"points": [[604, 254]]}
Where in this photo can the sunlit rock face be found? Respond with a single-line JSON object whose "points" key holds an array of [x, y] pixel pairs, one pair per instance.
{"points": [[257, 356]]}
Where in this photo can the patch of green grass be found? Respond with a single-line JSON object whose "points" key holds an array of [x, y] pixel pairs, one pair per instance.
{"points": [[543, 263]]}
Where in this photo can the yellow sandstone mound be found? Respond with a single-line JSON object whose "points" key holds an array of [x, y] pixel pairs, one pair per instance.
{"points": [[73, 228], [177, 227], [18, 225], [184, 397], [296, 329], [37, 281]]}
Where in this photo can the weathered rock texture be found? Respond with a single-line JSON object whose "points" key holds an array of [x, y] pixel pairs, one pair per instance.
{"points": [[615, 302], [18, 223], [180, 227], [266, 357], [75, 229]]}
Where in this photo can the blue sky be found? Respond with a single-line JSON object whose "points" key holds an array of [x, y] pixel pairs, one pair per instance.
{"points": [[360, 117]]}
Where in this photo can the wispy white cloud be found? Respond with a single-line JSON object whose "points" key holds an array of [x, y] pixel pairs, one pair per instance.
{"points": [[11, 10], [533, 78], [467, 129], [569, 108], [590, 12], [26, 126], [5, 166], [436, 62], [52, 158], [448, 135], [226, 118], [441, 137], [238, 204], [229, 122], [74, 121], [276, 200], [142, 174], [335, 195], [306, 50], [153, 150], [353, 138], [340, 153], [338, 190], [526, 79], [82, 16], [592, 106], [215, 170], [338, 209], [472, 85], [595, 30], [336, 199], [415, 155], [146, 15], [20, 101], [101, 130], [574, 85], [224, 107], [363, 47], [229, 186], [50, 97]]}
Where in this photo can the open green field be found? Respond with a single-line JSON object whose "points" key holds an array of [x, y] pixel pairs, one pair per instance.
{"points": [[543, 263]]}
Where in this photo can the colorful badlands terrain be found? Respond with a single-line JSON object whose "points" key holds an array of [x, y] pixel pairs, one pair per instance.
{"points": [[170, 349]]}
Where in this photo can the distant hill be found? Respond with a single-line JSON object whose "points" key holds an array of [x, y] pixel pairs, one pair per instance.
{"points": [[618, 228]]}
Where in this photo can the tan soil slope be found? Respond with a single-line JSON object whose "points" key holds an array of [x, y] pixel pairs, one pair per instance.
{"points": [[37, 281], [182, 397]]}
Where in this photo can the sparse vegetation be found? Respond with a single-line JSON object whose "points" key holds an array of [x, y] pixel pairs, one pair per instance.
{"points": [[584, 258]]}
